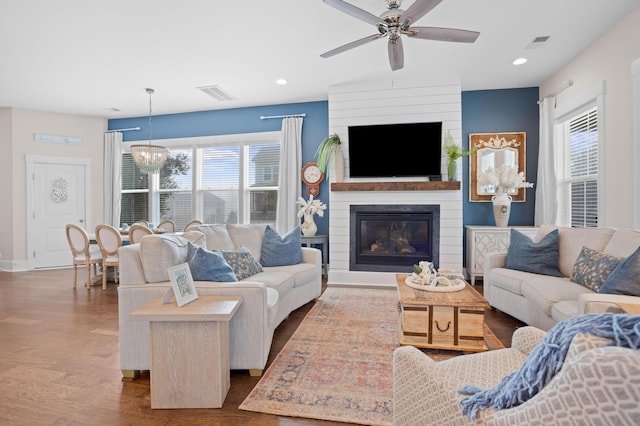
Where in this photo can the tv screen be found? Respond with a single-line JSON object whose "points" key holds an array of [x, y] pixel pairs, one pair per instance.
{"points": [[396, 150]]}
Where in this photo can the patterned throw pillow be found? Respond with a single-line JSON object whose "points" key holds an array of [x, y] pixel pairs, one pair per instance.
{"points": [[206, 265], [593, 267], [281, 250], [244, 264]]}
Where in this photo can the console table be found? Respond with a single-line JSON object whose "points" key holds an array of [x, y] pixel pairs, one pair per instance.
{"points": [[189, 351], [487, 239], [318, 239]]}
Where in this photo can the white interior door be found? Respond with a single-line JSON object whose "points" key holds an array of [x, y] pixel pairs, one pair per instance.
{"points": [[59, 198]]}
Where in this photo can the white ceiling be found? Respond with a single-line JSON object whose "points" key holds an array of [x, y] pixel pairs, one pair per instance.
{"points": [[86, 57]]}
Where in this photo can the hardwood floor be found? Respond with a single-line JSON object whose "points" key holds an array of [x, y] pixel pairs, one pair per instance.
{"points": [[59, 360]]}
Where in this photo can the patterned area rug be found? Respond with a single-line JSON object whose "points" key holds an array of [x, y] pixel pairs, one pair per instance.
{"points": [[337, 365]]}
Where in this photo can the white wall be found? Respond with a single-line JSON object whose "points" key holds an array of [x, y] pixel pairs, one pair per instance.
{"points": [[24, 124], [609, 59], [371, 103]]}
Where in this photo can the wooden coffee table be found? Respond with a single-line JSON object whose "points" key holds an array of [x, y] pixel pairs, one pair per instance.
{"points": [[441, 320]]}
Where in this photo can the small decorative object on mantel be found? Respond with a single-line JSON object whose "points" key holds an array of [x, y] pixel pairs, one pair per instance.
{"points": [[426, 277], [503, 181], [453, 152], [307, 210], [329, 155]]}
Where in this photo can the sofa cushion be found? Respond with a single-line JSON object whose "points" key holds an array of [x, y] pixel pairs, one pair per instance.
{"points": [[571, 241], [593, 267], [250, 236], [196, 237], [282, 281], [303, 273], [624, 279], [623, 243], [159, 252], [564, 309], [545, 291], [280, 250], [217, 237], [242, 261], [207, 265], [540, 258]]}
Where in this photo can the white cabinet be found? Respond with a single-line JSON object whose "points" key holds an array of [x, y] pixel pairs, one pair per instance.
{"points": [[487, 239]]}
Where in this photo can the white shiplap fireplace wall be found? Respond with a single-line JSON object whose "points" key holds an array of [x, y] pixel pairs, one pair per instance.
{"points": [[364, 104]]}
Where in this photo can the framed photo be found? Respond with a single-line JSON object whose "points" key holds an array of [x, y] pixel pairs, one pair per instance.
{"points": [[182, 283]]}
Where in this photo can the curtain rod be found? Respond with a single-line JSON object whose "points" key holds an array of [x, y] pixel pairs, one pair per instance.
{"points": [[266, 117], [564, 86], [123, 130]]}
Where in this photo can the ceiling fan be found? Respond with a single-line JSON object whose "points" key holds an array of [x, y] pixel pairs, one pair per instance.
{"points": [[395, 22]]}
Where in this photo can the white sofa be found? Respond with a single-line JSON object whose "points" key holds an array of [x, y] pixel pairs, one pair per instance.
{"points": [[267, 297], [543, 301]]}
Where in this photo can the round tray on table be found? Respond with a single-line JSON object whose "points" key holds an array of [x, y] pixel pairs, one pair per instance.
{"points": [[458, 284]]}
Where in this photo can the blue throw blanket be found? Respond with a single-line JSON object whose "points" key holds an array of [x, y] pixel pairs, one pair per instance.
{"points": [[547, 358]]}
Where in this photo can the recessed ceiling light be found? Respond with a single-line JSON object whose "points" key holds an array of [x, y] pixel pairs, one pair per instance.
{"points": [[519, 61], [281, 81]]}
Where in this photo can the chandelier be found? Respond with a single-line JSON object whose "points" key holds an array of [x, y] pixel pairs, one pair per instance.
{"points": [[149, 158]]}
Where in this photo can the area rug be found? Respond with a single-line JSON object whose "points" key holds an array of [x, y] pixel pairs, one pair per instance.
{"points": [[337, 366]]}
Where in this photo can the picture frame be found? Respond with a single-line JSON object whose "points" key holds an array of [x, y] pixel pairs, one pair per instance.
{"points": [[494, 150], [182, 284]]}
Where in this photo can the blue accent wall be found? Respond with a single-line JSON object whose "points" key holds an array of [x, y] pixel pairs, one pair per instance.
{"points": [[315, 129], [505, 110]]}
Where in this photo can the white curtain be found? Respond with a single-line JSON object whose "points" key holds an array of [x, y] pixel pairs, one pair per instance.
{"points": [[112, 163], [546, 208], [289, 178]]}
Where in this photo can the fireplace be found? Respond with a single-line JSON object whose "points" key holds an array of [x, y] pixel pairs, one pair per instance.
{"points": [[392, 238]]}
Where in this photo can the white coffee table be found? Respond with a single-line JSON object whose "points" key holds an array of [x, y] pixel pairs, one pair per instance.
{"points": [[189, 351]]}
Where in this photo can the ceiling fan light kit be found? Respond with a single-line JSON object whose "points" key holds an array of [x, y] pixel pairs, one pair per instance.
{"points": [[395, 23]]}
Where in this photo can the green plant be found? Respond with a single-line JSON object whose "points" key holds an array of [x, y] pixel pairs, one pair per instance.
{"points": [[327, 150], [454, 151]]}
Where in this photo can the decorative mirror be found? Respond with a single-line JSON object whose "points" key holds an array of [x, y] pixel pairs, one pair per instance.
{"points": [[495, 150]]}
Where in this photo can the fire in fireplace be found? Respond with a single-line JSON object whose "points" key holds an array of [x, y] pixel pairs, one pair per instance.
{"points": [[391, 238]]}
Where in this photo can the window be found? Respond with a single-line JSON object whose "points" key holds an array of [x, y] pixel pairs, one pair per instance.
{"points": [[578, 169], [230, 179]]}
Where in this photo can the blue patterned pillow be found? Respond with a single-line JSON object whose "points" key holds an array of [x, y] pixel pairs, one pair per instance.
{"points": [[206, 265], [244, 263], [624, 279], [593, 267], [281, 250], [525, 255]]}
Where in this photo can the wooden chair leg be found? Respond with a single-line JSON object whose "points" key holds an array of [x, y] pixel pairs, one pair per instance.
{"points": [[104, 276], [87, 282], [75, 275]]}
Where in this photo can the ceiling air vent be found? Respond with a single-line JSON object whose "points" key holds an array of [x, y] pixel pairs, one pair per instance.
{"points": [[217, 93], [537, 42]]}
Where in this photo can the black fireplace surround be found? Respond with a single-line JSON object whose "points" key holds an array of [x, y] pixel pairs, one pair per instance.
{"points": [[392, 238]]}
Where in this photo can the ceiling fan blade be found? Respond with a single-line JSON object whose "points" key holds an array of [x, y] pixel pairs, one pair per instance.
{"points": [[396, 54], [417, 10], [442, 34], [354, 11], [351, 45]]}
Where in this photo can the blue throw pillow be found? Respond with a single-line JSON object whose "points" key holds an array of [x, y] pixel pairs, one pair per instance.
{"points": [[244, 263], [625, 278], [525, 255], [281, 250], [206, 265]]}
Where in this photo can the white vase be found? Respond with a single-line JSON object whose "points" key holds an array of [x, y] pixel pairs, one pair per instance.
{"points": [[501, 209], [308, 226], [338, 166]]}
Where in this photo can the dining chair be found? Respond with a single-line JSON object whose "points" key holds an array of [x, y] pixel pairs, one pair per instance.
{"points": [[192, 224], [167, 225], [78, 240], [109, 240], [136, 232]]}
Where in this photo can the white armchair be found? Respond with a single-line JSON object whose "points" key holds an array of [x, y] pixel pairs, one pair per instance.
{"points": [[596, 385]]}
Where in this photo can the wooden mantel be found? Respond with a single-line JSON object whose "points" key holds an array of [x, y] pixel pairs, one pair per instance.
{"points": [[396, 186]]}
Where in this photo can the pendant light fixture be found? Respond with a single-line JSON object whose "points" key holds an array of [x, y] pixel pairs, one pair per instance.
{"points": [[149, 158]]}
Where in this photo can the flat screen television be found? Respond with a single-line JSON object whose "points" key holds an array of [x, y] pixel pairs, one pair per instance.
{"points": [[396, 150]]}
